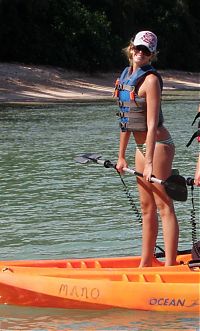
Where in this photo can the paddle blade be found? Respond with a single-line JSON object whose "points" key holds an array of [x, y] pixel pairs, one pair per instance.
{"points": [[87, 157], [176, 187]]}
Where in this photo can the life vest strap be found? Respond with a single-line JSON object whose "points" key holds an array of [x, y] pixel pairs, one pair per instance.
{"points": [[125, 125], [125, 87], [132, 104], [129, 114]]}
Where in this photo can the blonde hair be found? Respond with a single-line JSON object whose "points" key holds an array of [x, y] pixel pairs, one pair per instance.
{"points": [[128, 53]]}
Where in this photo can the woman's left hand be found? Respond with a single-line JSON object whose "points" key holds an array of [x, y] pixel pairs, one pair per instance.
{"points": [[147, 174]]}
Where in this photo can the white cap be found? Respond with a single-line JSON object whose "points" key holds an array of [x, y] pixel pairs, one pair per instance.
{"points": [[146, 38]]}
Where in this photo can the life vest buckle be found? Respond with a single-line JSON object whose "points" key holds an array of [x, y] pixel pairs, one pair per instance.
{"points": [[120, 114], [123, 127], [120, 87], [116, 92]]}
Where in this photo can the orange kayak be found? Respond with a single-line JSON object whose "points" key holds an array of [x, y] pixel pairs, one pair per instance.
{"points": [[102, 283]]}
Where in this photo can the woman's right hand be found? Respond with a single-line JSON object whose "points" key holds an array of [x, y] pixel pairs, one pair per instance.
{"points": [[121, 163]]}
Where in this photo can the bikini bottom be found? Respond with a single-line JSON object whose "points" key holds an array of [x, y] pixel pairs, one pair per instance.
{"points": [[142, 147]]}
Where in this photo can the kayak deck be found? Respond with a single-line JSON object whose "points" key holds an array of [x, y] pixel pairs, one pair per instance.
{"points": [[110, 262]]}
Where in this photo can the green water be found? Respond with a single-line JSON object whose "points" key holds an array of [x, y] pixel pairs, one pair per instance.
{"points": [[52, 207]]}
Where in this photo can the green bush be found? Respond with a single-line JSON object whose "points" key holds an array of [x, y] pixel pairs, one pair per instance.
{"points": [[62, 33], [88, 35]]}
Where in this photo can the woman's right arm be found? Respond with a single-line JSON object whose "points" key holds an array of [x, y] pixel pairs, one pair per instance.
{"points": [[124, 139]]}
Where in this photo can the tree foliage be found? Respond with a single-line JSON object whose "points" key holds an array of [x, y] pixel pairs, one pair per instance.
{"points": [[88, 35]]}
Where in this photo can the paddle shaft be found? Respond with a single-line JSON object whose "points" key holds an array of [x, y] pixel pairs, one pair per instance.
{"points": [[109, 164]]}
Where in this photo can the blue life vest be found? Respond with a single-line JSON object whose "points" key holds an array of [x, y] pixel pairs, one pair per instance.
{"points": [[133, 109]]}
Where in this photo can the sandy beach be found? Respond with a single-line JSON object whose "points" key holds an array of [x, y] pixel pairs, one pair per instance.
{"points": [[21, 83]]}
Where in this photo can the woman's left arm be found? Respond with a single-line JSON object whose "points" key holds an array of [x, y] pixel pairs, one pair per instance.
{"points": [[153, 97]]}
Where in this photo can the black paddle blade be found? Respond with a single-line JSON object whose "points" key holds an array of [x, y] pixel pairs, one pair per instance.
{"points": [[87, 157], [176, 187]]}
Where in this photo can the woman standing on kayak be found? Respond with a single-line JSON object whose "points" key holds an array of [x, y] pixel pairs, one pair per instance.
{"points": [[139, 92]]}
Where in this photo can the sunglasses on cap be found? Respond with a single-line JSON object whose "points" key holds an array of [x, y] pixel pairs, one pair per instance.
{"points": [[143, 49]]}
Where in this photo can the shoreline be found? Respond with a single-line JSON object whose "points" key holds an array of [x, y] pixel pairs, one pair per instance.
{"points": [[22, 84]]}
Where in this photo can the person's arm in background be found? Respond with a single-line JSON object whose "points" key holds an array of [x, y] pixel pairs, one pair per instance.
{"points": [[197, 173]]}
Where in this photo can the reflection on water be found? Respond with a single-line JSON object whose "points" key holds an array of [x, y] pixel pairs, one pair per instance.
{"points": [[52, 207], [16, 318]]}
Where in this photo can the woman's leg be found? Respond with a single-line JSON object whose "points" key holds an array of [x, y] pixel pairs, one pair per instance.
{"points": [[163, 158], [149, 215]]}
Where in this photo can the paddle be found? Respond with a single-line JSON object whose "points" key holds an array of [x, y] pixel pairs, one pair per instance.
{"points": [[175, 185]]}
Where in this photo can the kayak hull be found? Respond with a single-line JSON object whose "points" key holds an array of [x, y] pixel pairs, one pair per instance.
{"points": [[144, 291], [119, 283]]}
